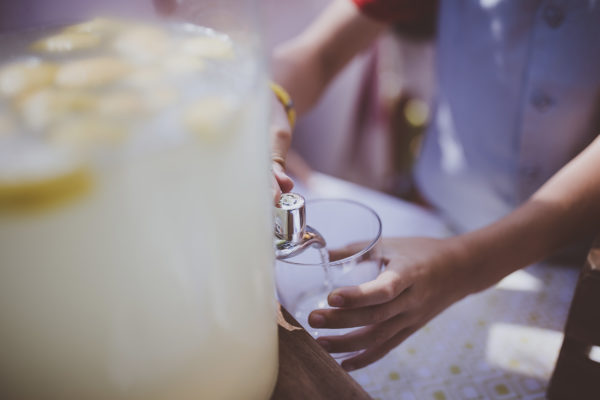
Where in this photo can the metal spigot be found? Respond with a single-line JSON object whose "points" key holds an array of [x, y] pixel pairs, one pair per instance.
{"points": [[292, 235]]}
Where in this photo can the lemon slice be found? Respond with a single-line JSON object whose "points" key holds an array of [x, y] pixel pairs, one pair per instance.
{"points": [[160, 97], [66, 42], [48, 106], [183, 65], [39, 179], [88, 133], [145, 77], [209, 118], [19, 78], [133, 103], [92, 72], [40, 195], [122, 103], [97, 26], [142, 43], [208, 47]]}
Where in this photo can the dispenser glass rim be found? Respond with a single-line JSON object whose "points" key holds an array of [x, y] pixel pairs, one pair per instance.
{"points": [[357, 255]]}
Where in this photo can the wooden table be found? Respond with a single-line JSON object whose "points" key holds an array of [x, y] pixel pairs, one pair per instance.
{"points": [[306, 371]]}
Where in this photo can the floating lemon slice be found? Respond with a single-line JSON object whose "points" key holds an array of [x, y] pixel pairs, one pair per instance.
{"points": [[97, 26], [122, 103], [92, 72], [40, 195], [20, 78], [88, 133], [40, 180], [133, 103], [183, 65], [66, 42], [145, 77], [161, 97], [208, 47], [208, 118], [53, 105], [142, 43]]}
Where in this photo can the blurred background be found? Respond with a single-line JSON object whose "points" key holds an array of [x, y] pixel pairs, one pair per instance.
{"points": [[368, 126]]}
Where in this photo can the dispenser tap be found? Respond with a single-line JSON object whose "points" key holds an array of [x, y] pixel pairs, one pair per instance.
{"points": [[292, 235]]}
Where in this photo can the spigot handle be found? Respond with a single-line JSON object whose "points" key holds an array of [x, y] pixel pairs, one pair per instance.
{"points": [[292, 233], [290, 218]]}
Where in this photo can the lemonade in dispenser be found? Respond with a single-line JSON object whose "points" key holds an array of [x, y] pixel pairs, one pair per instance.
{"points": [[135, 213]]}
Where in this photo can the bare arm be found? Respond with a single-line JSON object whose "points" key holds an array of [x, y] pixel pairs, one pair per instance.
{"points": [[565, 209], [308, 63]]}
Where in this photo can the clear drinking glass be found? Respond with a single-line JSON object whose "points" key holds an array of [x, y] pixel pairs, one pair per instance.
{"points": [[136, 257], [305, 281]]}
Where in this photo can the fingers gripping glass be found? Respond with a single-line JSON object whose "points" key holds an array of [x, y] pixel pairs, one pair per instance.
{"points": [[352, 257]]}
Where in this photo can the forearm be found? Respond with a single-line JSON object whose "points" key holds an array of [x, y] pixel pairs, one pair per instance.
{"points": [[565, 209], [308, 63]]}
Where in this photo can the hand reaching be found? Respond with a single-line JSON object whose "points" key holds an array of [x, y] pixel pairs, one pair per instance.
{"points": [[422, 277]]}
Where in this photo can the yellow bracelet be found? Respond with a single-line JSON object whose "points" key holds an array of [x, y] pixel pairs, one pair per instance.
{"points": [[286, 100]]}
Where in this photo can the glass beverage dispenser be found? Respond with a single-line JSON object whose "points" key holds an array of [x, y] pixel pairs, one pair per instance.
{"points": [[136, 249]]}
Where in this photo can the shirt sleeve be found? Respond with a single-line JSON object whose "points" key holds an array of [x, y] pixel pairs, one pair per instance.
{"points": [[398, 11]]}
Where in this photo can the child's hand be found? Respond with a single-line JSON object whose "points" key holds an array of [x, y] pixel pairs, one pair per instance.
{"points": [[422, 277]]}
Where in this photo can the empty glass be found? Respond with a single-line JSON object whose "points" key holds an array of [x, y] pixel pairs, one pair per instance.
{"points": [[305, 281]]}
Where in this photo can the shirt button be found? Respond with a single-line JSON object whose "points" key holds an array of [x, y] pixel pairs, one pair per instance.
{"points": [[541, 101], [554, 16]]}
